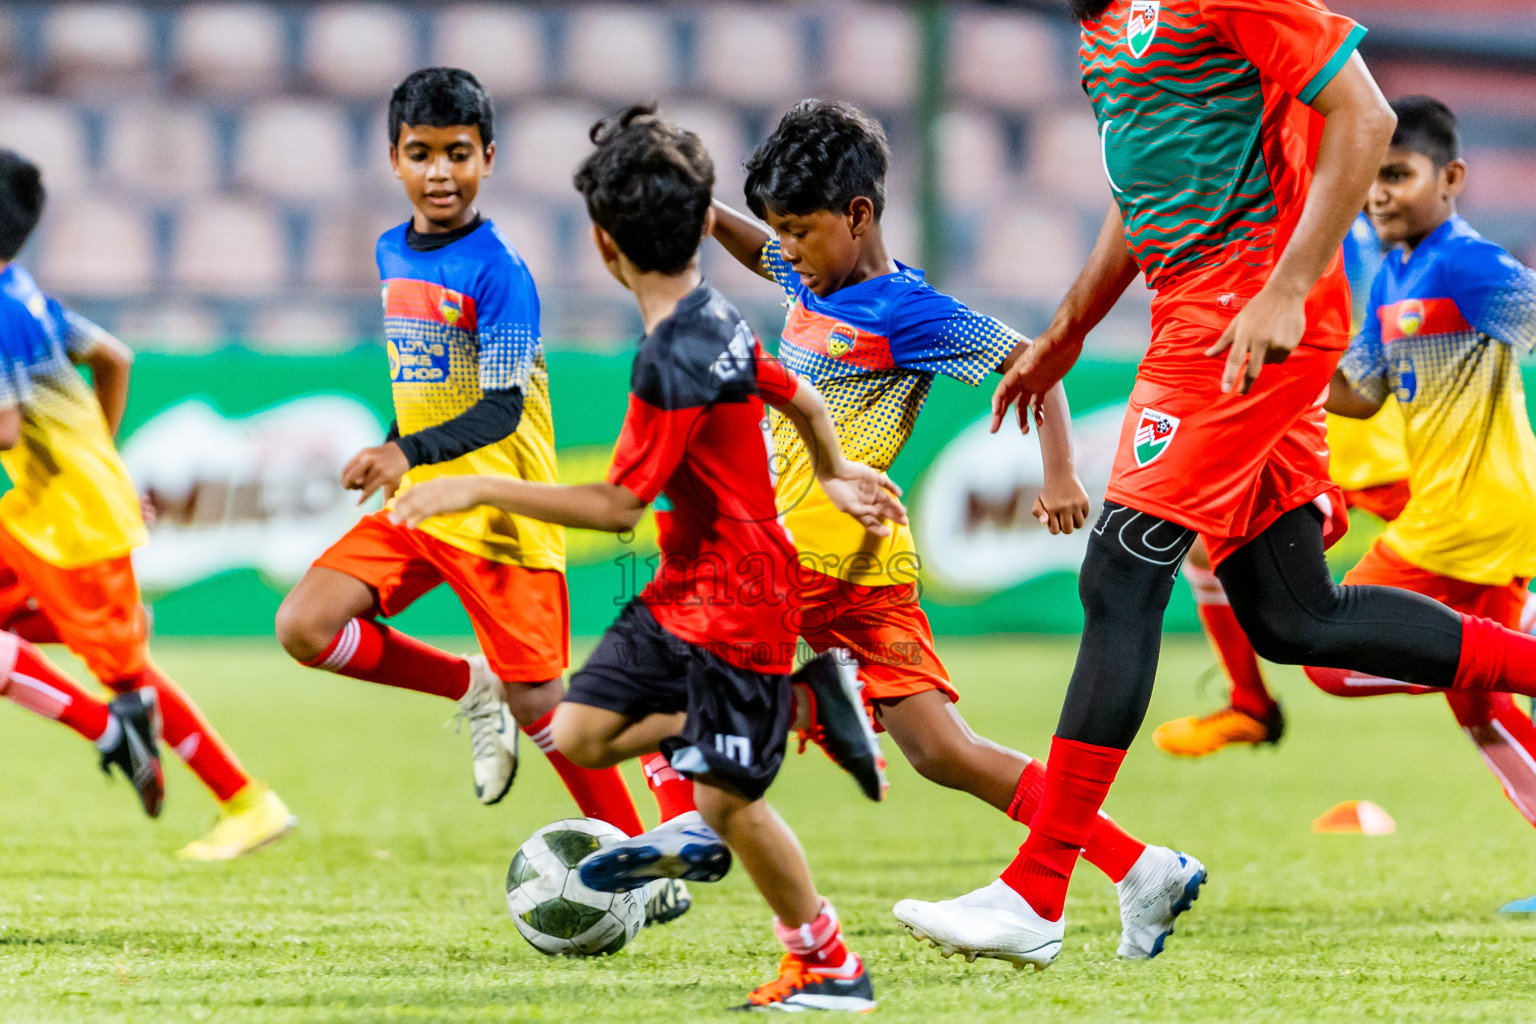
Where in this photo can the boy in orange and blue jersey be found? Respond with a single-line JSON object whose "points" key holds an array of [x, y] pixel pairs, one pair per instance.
{"points": [[1447, 316], [471, 396]]}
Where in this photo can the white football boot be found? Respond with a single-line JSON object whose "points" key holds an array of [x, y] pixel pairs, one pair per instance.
{"points": [[492, 731], [1160, 886], [992, 922], [683, 848], [666, 900]]}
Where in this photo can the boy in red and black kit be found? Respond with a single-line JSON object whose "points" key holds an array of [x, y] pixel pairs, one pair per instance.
{"points": [[1240, 139], [698, 665]]}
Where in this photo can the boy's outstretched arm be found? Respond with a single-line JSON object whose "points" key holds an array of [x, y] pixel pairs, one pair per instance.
{"points": [[1062, 504], [859, 490], [111, 364], [743, 236], [1344, 400], [597, 506]]}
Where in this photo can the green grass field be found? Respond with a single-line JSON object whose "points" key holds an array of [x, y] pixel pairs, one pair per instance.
{"points": [[387, 903]]}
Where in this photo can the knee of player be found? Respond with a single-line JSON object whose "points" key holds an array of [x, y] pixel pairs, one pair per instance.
{"points": [[579, 746], [299, 631], [1284, 636]]}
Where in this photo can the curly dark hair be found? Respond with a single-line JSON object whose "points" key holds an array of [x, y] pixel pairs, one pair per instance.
{"points": [[21, 201], [648, 184], [441, 98], [822, 156]]}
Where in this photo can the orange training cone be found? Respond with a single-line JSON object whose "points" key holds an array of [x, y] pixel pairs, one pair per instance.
{"points": [[1360, 817]]}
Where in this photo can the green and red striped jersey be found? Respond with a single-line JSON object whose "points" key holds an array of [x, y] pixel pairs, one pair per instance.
{"points": [[1208, 142]]}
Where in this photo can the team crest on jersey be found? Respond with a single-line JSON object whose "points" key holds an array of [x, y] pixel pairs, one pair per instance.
{"points": [[452, 307], [841, 340], [1410, 317], [1142, 25], [1154, 432]]}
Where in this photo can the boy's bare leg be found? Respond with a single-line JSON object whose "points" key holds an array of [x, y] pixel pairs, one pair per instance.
{"points": [[944, 749], [598, 738], [766, 848]]}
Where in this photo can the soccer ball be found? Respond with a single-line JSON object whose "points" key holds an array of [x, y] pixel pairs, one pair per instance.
{"points": [[552, 909]]}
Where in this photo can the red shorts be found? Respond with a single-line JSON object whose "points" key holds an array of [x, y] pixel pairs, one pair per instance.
{"points": [[521, 616], [883, 626], [1385, 501], [1227, 465], [96, 608], [1384, 567]]}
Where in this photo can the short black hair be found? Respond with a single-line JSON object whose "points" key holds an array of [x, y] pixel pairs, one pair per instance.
{"points": [[21, 201], [1427, 126], [440, 98], [822, 156], [648, 184]]}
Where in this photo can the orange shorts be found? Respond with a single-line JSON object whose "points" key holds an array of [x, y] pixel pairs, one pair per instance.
{"points": [[521, 617], [883, 626], [1385, 501], [1383, 567], [95, 608], [1226, 465]]}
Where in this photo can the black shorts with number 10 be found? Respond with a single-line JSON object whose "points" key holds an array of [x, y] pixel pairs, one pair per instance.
{"points": [[738, 720]]}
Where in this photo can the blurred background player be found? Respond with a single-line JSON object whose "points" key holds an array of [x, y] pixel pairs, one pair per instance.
{"points": [[68, 523], [471, 395], [1447, 317], [872, 334], [694, 665], [1367, 459]]}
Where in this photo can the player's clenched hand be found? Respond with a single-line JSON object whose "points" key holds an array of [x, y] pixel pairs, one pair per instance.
{"points": [[1062, 505], [1024, 385], [376, 468], [1267, 330], [435, 497], [866, 494]]}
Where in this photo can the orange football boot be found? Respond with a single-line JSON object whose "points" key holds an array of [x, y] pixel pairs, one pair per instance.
{"points": [[1197, 737]]}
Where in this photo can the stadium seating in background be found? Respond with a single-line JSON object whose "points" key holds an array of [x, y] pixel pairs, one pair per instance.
{"points": [[297, 149], [228, 48], [360, 50], [99, 246], [98, 48], [165, 150], [619, 53], [1010, 61], [230, 247], [51, 132], [873, 55], [751, 53], [502, 45]]}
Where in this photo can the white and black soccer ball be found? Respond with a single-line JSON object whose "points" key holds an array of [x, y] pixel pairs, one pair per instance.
{"points": [[552, 909]]}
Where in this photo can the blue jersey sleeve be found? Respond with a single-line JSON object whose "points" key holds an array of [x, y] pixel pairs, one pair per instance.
{"points": [[777, 267], [937, 333], [78, 334], [1365, 363], [1497, 295], [507, 322], [15, 381]]}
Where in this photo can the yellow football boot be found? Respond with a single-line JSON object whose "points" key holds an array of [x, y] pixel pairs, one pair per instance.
{"points": [[1197, 737], [251, 818]]}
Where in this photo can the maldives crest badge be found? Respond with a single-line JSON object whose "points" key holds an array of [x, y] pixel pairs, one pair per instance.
{"points": [[451, 307], [1142, 25], [1154, 431], [841, 340]]}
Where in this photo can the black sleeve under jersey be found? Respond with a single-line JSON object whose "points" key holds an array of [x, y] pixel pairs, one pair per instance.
{"points": [[489, 420]]}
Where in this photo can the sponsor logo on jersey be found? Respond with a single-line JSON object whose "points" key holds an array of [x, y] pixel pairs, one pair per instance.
{"points": [[1142, 25], [419, 361], [1410, 317], [841, 340], [1154, 432], [452, 307]]}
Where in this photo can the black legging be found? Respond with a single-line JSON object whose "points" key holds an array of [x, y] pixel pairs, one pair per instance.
{"points": [[1282, 595]]}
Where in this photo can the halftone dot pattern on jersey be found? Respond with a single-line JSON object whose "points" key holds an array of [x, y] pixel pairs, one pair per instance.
{"points": [[507, 353], [1511, 314], [423, 404]]}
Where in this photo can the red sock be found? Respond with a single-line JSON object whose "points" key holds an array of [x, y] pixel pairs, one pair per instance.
{"points": [[673, 792], [366, 650], [1494, 657], [1249, 694], [35, 684], [1077, 779], [1110, 848], [820, 944], [1505, 739], [190, 735], [599, 792]]}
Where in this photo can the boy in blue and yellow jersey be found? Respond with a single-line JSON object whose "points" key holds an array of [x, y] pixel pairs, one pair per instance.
{"points": [[67, 526], [871, 334], [1367, 460], [1448, 315], [471, 395]]}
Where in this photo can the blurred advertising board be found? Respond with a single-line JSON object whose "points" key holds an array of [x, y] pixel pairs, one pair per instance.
{"points": [[238, 455]]}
